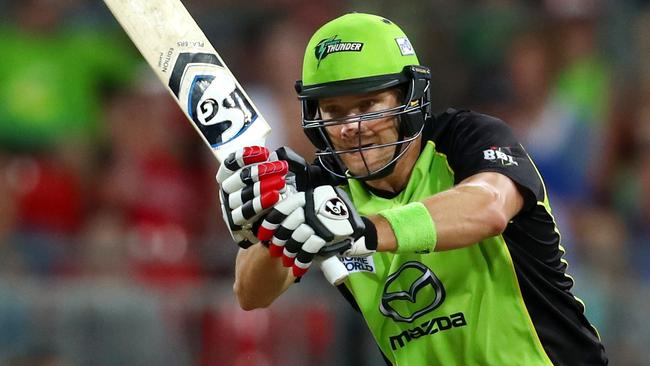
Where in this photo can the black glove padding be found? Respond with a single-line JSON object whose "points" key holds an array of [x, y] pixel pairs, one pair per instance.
{"points": [[305, 175]]}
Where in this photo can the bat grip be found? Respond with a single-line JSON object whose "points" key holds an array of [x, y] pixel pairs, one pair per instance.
{"points": [[334, 270]]}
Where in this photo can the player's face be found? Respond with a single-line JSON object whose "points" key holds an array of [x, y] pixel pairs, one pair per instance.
{"points": [[365, 134]]}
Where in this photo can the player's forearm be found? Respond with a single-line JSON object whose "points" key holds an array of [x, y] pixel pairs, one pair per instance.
{"points": [[463, 215], [459, 221], [259, 278], [466, 215]]}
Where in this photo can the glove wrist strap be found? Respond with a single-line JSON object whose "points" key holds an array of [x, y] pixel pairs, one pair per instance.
{"points": [[370, 233]]}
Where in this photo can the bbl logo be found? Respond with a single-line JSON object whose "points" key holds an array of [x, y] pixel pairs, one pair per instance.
{"points": [[333, 45], [500, 154], [424, 294]]}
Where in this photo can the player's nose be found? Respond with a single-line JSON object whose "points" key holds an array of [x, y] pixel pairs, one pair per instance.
{"points": [[350, 130]]}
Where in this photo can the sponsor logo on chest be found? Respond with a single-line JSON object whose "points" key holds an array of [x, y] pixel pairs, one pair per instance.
{"points": [[358, 264]]}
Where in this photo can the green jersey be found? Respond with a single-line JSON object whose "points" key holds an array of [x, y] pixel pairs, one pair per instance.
{"points": [[503, 301]]}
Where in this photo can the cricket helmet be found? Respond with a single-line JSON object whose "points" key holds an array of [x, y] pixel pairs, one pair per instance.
{"points": [[355, 54]]}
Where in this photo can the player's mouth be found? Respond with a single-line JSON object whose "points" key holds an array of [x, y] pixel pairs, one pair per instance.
{"points": [[352, 148], [358, 148]]}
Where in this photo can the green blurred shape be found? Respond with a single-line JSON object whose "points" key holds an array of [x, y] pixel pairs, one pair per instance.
{"points": [[52, 85]]}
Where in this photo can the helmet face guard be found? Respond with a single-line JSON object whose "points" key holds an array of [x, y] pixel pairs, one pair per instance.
{"points": [[411, 115], [357, 54]]}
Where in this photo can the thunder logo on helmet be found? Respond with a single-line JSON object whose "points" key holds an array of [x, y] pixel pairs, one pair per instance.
{"points": [[332, 45]]}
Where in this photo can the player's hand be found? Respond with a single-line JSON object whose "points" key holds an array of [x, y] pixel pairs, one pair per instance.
{"points": [[302, 175], [319, 221], [300, 178], [249, 185]]}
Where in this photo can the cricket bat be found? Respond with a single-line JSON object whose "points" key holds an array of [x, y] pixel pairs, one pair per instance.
{"points": [[198, 79]]}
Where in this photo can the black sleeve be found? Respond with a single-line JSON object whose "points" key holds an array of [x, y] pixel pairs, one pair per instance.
{"points": [[476, 143]]}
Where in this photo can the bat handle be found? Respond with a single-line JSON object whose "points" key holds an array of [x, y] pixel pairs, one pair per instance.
{"points": [[334, 270]]}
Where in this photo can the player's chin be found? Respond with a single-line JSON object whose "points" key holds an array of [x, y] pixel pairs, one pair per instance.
{"points": [[360, 166]]}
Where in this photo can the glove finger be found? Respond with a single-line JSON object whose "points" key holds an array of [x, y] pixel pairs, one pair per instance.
{"points": [[248, 193], [292, 246], [226, 212], [254, 173], [284, 231], [306, 254], [239, 159], [278, 214], [243, 237], [246, 212]]}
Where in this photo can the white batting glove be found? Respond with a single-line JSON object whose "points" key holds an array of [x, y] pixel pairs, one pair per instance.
{"points": [[321, 221], [249, 185]]}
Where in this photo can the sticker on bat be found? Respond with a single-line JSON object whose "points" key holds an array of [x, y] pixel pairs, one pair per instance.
{"points": [[211, 98]]}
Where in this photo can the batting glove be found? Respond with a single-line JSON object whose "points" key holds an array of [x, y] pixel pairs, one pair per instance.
{"points": [[250, 184], [320, 221]]}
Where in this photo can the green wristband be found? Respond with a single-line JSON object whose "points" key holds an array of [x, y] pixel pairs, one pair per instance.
{"points": [[413, 227]]}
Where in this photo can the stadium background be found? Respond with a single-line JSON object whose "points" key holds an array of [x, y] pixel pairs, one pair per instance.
{"points": [[112, 249]]}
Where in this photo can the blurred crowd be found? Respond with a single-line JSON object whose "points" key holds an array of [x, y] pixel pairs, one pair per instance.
{"points": [[112, 250]]}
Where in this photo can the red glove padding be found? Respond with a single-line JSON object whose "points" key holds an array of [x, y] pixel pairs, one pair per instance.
{"points": [[249, 185]]}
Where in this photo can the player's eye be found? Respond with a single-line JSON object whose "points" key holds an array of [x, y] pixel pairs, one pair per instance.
{"points": [[332, 111], [366, 105]]}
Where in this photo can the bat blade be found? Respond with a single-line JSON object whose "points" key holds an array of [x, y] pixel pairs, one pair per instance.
{"points": [[194, 73], [198, 79]]}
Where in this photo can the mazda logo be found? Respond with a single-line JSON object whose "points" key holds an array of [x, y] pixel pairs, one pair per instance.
{"points": [[425, 280]]}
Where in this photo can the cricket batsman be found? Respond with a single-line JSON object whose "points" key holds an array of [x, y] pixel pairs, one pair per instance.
{"points": [[442, 219]]}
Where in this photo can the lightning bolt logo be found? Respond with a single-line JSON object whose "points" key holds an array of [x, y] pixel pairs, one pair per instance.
{"points": [[332, 45]]}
